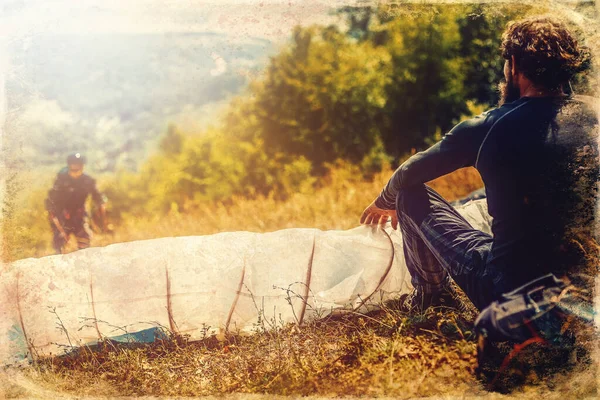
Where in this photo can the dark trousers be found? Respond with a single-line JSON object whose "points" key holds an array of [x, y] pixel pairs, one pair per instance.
{"points": [[439, 243], [76, 227]]}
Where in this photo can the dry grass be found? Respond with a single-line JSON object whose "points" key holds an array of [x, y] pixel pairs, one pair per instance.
{"points": [[337, 205], [382, 353], [386, 353]]}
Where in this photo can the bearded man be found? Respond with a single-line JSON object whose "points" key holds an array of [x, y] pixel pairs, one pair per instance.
{"points": [[537, 155]]}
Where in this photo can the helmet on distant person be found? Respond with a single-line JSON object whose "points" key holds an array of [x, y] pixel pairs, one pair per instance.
{"points": [[75, 158], [75, 163]]}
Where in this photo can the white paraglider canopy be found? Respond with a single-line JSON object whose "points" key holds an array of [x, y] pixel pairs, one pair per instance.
{"points": [[198, 285]]}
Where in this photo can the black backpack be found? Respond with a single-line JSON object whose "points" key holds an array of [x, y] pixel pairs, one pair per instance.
{"points": [[537, 308], [541, 312]]}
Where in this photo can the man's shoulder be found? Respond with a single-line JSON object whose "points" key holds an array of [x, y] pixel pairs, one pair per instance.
{"points": [[479, 123], [528, 108], [515, 108], [62, 176], [63, 179], [486, 119], [63, 173], [87, 180]]}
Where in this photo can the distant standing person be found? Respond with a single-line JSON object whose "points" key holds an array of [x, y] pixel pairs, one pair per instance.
{"points": [[66, 204]]}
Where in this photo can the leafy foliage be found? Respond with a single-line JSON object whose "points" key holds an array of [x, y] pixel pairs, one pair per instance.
{"points": [[321, 99], [392, 81]]}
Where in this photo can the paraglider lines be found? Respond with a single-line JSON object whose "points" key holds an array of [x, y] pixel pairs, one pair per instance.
{"points": [[169, 304], [237, 296], [385, 274], [94, 307], [307, 284], [29, 344]]}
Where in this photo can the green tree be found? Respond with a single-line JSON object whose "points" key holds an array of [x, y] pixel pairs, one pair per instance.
{"points": [[322, 98], [480, 28], [425, 92]]}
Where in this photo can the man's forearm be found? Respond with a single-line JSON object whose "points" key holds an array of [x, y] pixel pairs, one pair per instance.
{"points": [[420, 168], [445, 156], [387, 197], [59, 227]]}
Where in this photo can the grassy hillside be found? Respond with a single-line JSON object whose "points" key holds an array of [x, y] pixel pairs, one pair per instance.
{"points": [[337, 204], [386, 353]]}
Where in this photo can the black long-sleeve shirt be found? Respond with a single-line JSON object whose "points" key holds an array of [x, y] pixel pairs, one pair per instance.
{"points": [[69, 195], [538, 158]]}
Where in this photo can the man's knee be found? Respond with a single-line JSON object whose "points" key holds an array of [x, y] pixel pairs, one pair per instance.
{"points": [[414, 202]]}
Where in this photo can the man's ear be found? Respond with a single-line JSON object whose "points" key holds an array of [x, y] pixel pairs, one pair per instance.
{"points": [[513, 67]]}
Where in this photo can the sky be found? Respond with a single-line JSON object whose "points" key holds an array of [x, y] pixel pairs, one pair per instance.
{"points": [[269, 19], [21, 21], [24, 20]]}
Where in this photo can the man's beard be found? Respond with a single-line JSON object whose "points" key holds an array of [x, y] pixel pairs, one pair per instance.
{"points": [[509, 91]]}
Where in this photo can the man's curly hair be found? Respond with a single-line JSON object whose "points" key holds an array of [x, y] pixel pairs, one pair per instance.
{"points": [[544, 50]]}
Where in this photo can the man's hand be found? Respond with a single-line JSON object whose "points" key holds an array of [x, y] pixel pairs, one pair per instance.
{"points": [[376, 215], [103, 218], [60, 229]]}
